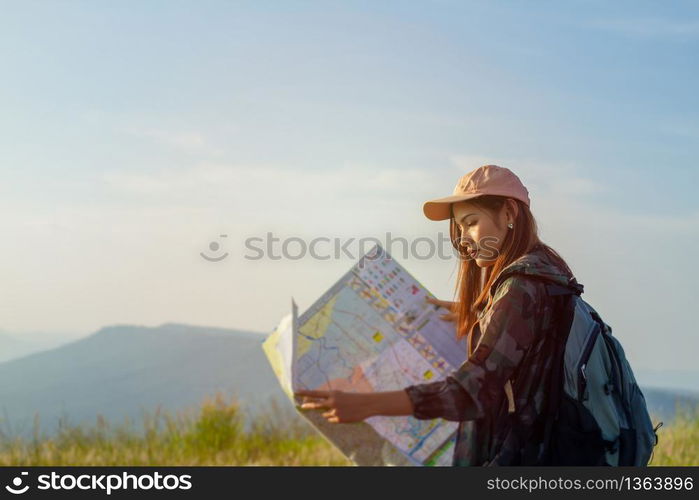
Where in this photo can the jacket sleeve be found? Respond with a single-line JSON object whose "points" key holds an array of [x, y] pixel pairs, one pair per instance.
{"points": [[443, 399], [509, 328]]}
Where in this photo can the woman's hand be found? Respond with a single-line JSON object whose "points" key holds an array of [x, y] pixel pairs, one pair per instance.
{"points": [[450, 316], [340, 406]]}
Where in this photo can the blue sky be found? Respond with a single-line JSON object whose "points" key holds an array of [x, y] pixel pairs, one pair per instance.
{"points": [[133, 133]]}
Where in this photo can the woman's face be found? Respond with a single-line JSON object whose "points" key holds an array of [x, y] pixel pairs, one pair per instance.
{"points": [[481, 232]]}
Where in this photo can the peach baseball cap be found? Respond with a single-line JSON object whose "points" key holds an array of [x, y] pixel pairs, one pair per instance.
{"points": [[488, 179]]}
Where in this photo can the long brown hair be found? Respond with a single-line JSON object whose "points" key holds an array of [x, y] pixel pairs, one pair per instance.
{"points": [[473, 282]]}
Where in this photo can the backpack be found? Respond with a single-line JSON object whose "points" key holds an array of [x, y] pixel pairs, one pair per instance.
{"points": [[595, 414]]}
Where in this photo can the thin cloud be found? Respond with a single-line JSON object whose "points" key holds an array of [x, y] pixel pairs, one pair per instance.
{"points": [[651, 27], [182, 140], [207, 181]]}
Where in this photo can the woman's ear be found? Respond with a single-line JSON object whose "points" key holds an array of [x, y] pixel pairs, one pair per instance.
{"points": [[513, 210]]}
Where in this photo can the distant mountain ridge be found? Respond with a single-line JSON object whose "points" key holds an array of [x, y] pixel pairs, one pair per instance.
{"points": [[13, 347], [121, 370], [17, 345]]}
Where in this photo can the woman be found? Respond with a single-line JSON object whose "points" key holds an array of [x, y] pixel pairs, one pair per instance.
{"points": [[498, 395]]}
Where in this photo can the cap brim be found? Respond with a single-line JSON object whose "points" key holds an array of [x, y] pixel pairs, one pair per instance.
{"points": [[440, 209]]}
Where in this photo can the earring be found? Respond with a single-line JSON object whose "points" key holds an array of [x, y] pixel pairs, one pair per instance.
{"points": [[510, 225]]}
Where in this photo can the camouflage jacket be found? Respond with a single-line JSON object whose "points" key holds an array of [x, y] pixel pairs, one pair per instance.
{"points": [[484, 391]]}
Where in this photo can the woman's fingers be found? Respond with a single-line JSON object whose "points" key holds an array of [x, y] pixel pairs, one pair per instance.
{"points": [[448, 316], [339, 406], [312, 397], [315, 405], [331, 416], [441, 303], [335, 402]]}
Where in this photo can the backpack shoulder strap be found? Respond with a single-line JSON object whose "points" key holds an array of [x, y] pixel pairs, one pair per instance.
{"points": [[554, 344], [553, 287], [565, 316]]}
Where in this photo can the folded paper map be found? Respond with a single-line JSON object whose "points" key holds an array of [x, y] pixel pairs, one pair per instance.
{"points": [[371, 331]]}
